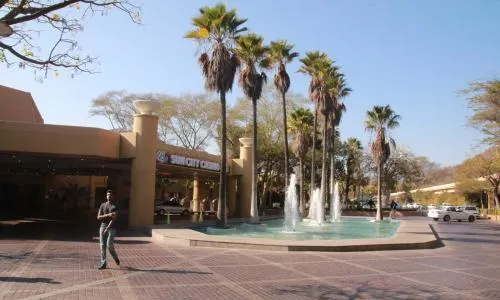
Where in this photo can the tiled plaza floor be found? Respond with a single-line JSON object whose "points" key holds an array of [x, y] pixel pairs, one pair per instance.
{"points": [[50, 264]]}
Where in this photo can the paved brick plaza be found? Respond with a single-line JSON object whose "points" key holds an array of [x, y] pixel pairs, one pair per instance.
{"points": [[49, 264]]}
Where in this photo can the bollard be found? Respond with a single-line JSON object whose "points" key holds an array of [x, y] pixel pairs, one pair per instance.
{"points": [[168, 218]]}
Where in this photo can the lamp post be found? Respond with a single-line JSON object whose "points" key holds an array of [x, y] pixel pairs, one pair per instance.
{"points": [[5, 30]]}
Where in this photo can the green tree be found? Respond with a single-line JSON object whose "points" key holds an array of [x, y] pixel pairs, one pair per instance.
{"points": [[318, 66], [56, 22], [354, 153], [379, 120], [476, 171], [280, 53], [252, 53], [484, 100], [338, 89], [300, 123], [218, 28], [270, 135], [402, 171]]}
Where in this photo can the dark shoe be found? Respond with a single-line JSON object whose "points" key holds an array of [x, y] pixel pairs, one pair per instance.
{"points": [[117, 261], [102, 267]]}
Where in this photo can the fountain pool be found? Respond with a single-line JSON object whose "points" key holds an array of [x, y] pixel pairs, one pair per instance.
{"points": [[344, 228]]}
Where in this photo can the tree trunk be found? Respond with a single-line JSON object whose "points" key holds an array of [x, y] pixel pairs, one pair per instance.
{"points": [[221, 207], [379, 216], [332, 165], [313, 154], [495, 191], [347, 183], [302, 198], [254, 213], [285, 130], [323, 166]]}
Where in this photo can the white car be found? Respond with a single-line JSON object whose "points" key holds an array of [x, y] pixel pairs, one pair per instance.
{"points": [[172, 208], [451, 213], [473, 210]]}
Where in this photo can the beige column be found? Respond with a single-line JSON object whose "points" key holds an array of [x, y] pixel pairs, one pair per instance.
{"points": [[196, 193], [143, 171], [231, 196], [246, 149]]}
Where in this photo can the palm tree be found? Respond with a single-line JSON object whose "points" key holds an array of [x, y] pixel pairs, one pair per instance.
{"points": [[251, 52], [301, 123], [379, 120], [280, 53], [338, 90], [317, 65], [218, 28], [354, 148]]}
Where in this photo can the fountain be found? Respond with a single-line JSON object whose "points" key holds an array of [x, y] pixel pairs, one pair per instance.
{"points": [[335, 208], [313, 227], [291, 206], [316, 210]]}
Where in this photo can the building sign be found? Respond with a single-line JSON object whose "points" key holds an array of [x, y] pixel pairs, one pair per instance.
{"points": [[178, 160]]}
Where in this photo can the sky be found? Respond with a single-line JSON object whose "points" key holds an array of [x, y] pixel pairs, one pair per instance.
{"points": [[413, 55]]}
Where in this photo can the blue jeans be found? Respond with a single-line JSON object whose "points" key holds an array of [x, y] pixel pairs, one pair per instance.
{"points": [[106, 241]]}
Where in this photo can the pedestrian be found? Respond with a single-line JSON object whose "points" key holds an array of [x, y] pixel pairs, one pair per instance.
{"points": [[107, 214], [394, 205]]}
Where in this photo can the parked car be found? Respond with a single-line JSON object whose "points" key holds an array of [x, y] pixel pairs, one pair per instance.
{"points": [[173, 208], [451, 213]]}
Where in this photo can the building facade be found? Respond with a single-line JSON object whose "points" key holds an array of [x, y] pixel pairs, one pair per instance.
{"points": [[46, 169]]}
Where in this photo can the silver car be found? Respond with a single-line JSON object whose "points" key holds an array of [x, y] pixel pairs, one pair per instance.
{"points": [[172, 208], [473, 210]]}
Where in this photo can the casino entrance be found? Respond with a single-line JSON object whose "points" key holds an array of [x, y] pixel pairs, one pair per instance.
{"points": [[187, 184]]}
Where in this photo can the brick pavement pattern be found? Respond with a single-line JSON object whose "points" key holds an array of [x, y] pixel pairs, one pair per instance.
{"points": [[49, 266]]}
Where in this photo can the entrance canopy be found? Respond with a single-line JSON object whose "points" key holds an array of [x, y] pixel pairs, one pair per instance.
{"points": [[178, 162]]}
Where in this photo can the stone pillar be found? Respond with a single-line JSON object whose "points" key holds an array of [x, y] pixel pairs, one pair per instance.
{"points": [[143, 171], [231, 196], [196, 193], [246, 149]]}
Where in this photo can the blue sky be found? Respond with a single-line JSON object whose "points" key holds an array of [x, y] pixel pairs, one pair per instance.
{"points": [[413, 55]]}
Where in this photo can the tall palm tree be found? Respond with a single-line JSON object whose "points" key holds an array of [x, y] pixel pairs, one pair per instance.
{"points": [[317, 65], [280, 53], [338, 89], [379, 120], [300, 123], [218, 29], [252, 54], [354, 148]]}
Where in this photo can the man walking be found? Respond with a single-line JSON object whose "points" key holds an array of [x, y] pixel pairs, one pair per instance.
{"points": [[394, 206], [107, 215]]}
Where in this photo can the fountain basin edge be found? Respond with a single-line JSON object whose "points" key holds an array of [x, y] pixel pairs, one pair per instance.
{"points": [[409, 235]]}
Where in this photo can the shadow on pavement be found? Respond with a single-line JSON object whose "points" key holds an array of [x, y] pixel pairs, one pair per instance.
{"points": [[131, 242], [45, 229], [29, 280], [165, 271], [361, 291], [472, 240], [16, 256]]}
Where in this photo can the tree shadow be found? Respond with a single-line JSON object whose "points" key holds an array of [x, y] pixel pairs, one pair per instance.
{"points": [[16, 256], [473, 241], [362, 291], [166, 271], [131, 242], [29, 280], [469, 233]]}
